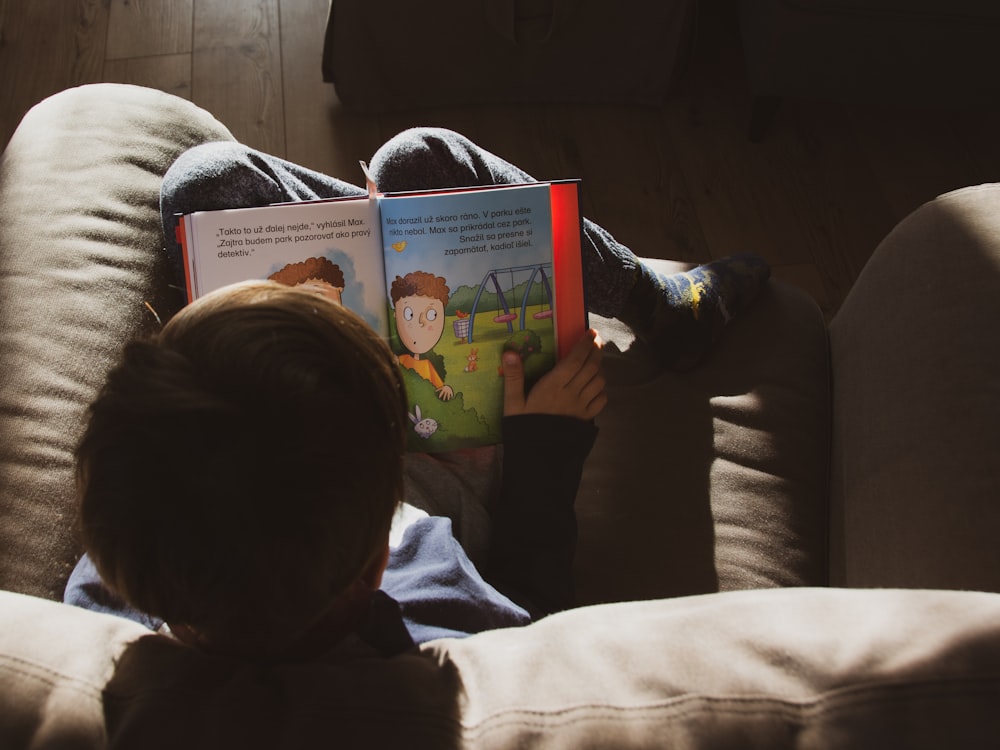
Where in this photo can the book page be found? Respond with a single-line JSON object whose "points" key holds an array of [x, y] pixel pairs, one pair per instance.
{"points": [[469, 274], [336, 242]]}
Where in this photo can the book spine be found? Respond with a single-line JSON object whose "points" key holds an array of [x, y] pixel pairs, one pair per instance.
{"points": [[567, 265], [181, 234]]}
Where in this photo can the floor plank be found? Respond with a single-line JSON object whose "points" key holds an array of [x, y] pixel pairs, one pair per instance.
{"points": [[319, 133], [801, 197], [900, 144], [236, 69], [634, 178], [170, 73], [140, 28], [47, 46]]}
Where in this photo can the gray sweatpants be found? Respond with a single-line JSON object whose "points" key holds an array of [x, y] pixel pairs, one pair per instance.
{"points": [[230, 175]]}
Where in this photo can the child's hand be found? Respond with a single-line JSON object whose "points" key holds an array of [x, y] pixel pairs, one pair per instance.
{"points": [[573, 388]]}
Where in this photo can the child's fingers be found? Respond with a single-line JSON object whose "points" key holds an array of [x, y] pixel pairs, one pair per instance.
{"points": [[586, 351], [586, 368], [589, 386], [574, 387], [594, 398]]}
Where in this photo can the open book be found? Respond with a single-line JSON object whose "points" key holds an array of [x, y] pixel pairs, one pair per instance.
{"points": [[448, 278]]}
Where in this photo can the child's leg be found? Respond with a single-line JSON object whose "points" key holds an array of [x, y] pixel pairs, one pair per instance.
{"points": [[230, 175], [680, 316], [434, 158]]}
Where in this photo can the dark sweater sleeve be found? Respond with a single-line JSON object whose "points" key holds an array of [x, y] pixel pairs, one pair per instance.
{"points": [[534, 521]]}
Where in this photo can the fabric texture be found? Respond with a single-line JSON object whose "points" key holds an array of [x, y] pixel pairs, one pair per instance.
{"points": [[723, 484], [80, 258], [917, 387], [85, 589], [440, 592], [774, 668]]}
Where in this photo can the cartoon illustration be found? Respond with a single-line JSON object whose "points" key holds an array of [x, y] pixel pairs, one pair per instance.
{"points": [[461, 327], [525, 344], [423, 427], [420, 299], [505, 314], [315, 274], [473, 358]]}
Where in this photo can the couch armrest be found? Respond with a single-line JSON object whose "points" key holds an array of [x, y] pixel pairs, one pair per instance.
{"points": [[717, 478], [80, 254], [916, 373]]}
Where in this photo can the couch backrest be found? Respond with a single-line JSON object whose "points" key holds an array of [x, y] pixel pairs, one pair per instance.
{"points": [[916, 404], [779, 668]]}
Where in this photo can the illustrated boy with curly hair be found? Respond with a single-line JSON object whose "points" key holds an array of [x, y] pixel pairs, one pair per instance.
{"points": [[419, 300], [319, 274]]}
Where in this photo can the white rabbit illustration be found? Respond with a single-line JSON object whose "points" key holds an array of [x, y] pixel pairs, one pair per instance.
{"points": [[423, 427]]}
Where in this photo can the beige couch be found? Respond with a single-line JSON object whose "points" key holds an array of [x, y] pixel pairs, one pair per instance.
{"points": [[793, 511]]}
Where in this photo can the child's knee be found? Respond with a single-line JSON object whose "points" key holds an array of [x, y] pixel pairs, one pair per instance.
{"points": [[219, 174], [210, 159], [425, 158], [423, 141]]}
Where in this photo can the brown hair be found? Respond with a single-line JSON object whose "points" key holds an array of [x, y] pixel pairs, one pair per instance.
{"points": [[421, 284], [241, 469], [310, 268]]}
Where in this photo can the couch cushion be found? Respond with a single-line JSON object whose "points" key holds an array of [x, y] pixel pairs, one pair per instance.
{"points": [[80, 255], [781, 668], [714, 479]]}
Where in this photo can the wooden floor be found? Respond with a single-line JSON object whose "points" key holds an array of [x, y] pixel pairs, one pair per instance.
{"points": [[682, 181]]}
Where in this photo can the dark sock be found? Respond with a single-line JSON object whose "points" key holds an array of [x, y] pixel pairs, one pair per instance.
{"points": [[681, 315]]}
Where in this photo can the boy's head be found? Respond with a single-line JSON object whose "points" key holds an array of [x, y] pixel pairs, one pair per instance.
{"points": [[419, 301], [240, 469], [320, 274]]}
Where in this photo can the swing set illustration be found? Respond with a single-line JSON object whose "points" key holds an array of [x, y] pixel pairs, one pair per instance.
{"points": [[505, 315]]}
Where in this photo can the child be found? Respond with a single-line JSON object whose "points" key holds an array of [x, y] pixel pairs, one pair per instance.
{"points": [[240, 472], [212, 482]]}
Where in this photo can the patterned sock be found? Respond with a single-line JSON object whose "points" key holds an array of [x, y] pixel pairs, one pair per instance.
{"points": [[681, 315]]}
